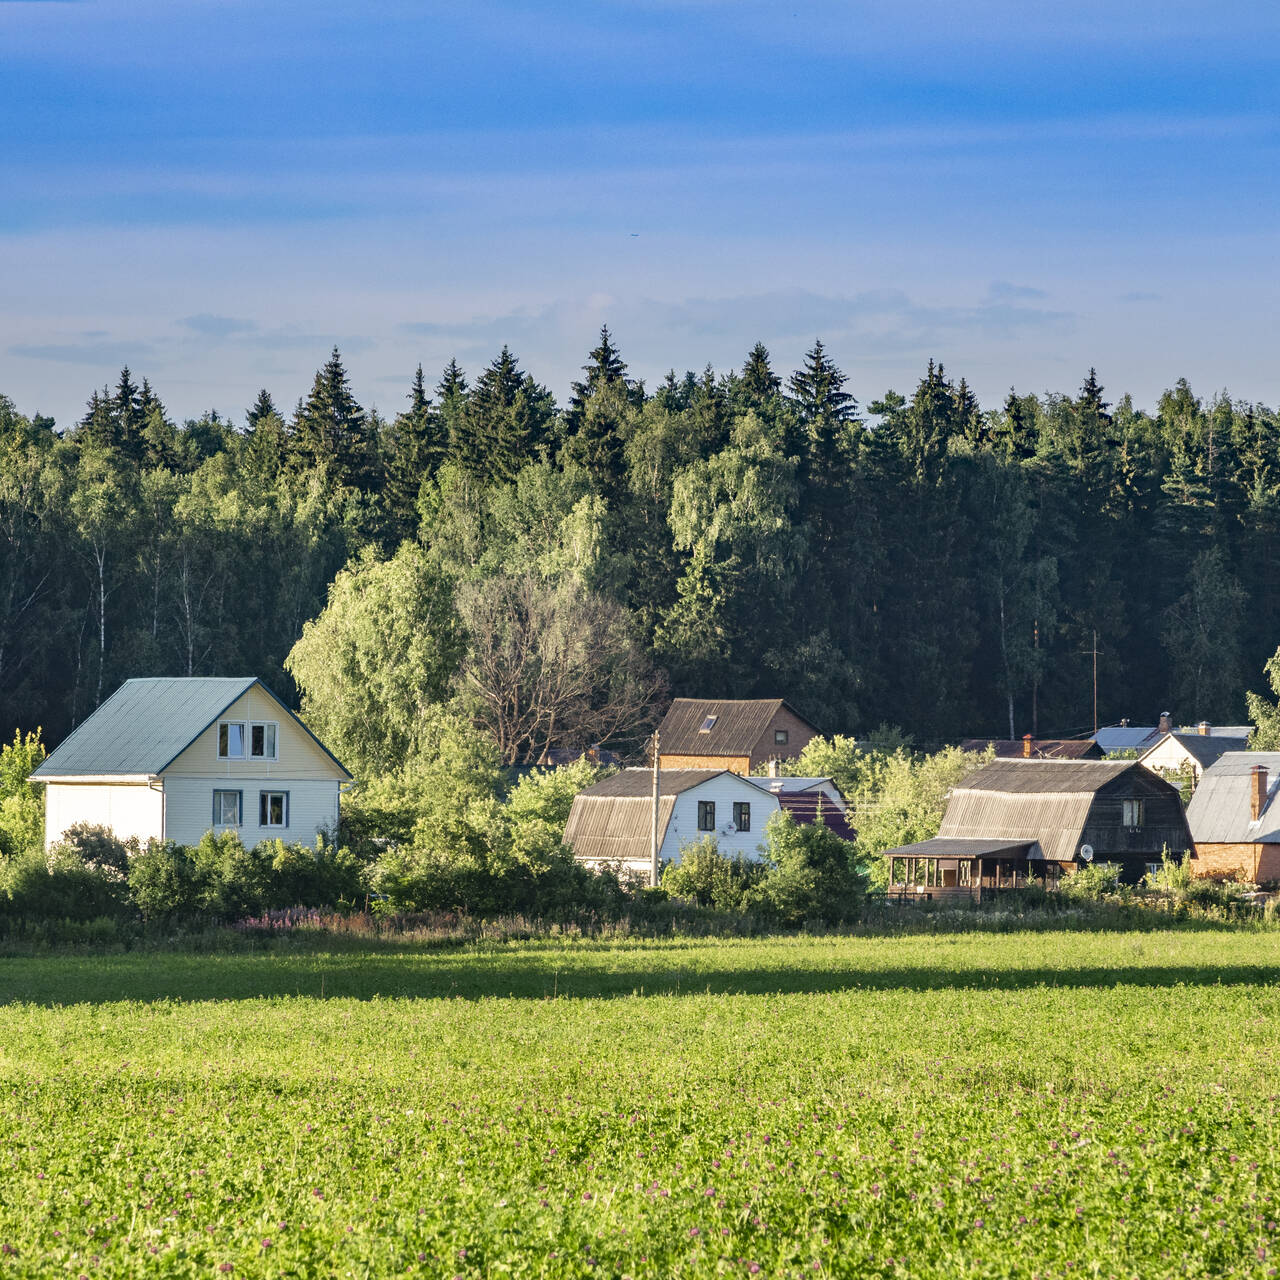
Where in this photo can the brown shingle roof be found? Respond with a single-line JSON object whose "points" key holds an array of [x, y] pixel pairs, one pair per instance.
{"points": [[1041, 748], [739, 725]]}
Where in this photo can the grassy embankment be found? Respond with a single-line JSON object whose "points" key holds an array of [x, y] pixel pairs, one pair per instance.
{"points": [[1008, 1104]]}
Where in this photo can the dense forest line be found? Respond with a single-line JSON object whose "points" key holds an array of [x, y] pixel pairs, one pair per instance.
{"points": [[922, 562]]}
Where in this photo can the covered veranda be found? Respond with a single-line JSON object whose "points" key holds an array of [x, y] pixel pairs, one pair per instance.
{"points": [[953, 868]]}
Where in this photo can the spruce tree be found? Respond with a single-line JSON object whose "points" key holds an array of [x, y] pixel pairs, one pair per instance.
{"points": [[331, 431], [604, 368], [451, 400], [98, 429], [159, 436], [758, 384], [262, 406], [127, 407], [506, 421], [413, 449]]}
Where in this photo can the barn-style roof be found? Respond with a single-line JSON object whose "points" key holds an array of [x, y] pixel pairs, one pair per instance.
{"points": [[146, 724], [1220, 812], [1047, 801], [718, 726]]}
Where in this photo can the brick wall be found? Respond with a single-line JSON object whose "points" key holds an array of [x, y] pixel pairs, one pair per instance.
{"points": [[1239, 860], [798, 737], [738, 764]]}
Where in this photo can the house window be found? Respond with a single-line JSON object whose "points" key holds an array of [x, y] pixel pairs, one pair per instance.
{"points": [[273, 809], [231, 740], [262, 741], [742, 816], [708, 724], [780, 737], [1132, 813], [228, 808], [706, 815]]}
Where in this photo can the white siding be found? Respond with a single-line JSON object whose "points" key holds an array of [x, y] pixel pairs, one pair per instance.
{"points": [[313, 807], [724, 790], [129, 809], [1170, 756]]}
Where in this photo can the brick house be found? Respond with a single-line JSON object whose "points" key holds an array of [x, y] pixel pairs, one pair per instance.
{"points": [[742, 736]]}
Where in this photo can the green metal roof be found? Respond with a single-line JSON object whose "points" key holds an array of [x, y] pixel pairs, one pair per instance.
{"points": [[146, 724]]}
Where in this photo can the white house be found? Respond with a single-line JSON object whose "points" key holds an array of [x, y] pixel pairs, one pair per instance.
{"points": [[170, 759], [610, 822], [1177, 753]]}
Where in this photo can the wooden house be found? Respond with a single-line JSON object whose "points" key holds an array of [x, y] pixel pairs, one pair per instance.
{"points": [[1032, 748], [740, 735], [1235, 817], [1188, 753], [1015, 821], [170, 759]]}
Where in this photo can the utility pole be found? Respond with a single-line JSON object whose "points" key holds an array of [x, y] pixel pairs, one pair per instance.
{"points": [[1095, 682], [1035, 685], [653, 821]]}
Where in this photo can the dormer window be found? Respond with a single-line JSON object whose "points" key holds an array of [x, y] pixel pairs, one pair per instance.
{"points": [[708, 724], [231, 740]]}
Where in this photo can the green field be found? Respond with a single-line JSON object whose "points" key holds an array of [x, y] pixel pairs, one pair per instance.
{"points": [[1053, 1104]]}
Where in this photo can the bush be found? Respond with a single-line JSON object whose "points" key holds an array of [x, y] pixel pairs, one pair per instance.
{"points": [[59, 886], [711, 878], [812, 873], [99, 848], [163, 881], [21, 801], [1092, 882]]}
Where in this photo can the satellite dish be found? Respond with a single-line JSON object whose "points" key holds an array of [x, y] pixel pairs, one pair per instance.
{"points": [[728, 829], [1086, 852]]}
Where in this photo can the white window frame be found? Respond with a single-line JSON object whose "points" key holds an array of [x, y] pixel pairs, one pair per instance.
{"points": [[228, 725], [217, 808], [264, 810], [264, 725]]}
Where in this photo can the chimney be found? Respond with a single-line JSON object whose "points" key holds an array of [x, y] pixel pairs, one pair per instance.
{"points": [[1166, 722], [1026, 744], [1203, 728], [773, 767], [1257, 791], [1124, 724]]}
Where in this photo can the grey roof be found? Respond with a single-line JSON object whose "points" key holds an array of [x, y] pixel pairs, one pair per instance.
{"points": [[1138, 737], [1219, 812], [639, 782], [739, 725], [1048, 801], [1204, 749], [616, 828], [146, 724], [941, 847], [781, 786]]}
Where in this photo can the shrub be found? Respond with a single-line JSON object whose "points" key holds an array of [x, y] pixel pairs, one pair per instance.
{"points": [[812, 873], [301, 877], [21, 801], [59, 886], [711, 878], [98, 847], [1092, 882], [164, 882]]}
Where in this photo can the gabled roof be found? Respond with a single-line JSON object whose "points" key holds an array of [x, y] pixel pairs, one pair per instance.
{"points": [[1203, 748], [736, 730], [1220, 811], [631, 783], [941, 847], [814, 806], [147, 723]]}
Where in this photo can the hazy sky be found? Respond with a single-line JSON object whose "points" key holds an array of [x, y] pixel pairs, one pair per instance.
{"points": [[216, 193]]}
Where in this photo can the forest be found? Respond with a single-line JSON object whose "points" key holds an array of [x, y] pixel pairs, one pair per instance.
{"points": [[552, 572]]}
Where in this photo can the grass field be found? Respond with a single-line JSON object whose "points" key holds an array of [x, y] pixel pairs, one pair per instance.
{"points": [[965, 1105]]}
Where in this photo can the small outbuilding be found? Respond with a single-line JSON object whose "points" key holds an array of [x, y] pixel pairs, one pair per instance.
{"points": [[1235, 818], [1017, 821]]}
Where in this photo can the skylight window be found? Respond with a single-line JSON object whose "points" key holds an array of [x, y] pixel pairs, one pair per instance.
{"points": [[706, 724]]}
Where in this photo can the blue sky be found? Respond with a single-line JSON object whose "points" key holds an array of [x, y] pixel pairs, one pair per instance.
{"points": [[218, 192]]}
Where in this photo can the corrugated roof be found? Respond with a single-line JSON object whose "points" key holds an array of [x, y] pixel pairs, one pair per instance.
{"points": [[1219, 812], [147, 723], [1045, 777], [616, 828], [738, 727], [1138, 737], [639, 782], [1043, 800], [143, 726], [1041, 748], [940, 847], [1202, 748]]}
